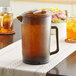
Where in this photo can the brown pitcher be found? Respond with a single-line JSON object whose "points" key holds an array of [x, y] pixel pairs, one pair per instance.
{"points": [[36, 26]]}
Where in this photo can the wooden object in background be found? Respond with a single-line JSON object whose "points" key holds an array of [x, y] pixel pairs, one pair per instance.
{"points": [[5, 40]]}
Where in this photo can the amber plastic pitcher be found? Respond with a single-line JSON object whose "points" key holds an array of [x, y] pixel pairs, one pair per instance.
{"points": [[36, 28]]}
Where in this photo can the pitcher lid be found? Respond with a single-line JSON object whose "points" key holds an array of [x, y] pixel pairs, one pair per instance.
{"points": [[37, 13]]}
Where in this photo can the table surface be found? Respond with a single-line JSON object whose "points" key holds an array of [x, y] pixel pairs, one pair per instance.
{"points": [[65, 68]]}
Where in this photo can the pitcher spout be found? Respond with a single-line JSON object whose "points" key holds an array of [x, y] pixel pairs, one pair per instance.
{"points": [[19, 18]]}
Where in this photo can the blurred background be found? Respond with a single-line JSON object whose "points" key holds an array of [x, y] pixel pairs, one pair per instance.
{"points": [[19, 6]]}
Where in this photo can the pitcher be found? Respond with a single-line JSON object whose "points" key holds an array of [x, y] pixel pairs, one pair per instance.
{"points": [[36, 26]]}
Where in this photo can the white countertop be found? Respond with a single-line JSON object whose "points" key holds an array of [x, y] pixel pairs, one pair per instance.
{"points": [[11, 59]]}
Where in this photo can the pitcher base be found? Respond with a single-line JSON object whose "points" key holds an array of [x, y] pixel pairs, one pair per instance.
{"points": [[35, 62]]}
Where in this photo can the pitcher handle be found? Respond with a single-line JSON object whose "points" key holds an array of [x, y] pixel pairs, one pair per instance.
{"points": [[57, 41]]}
